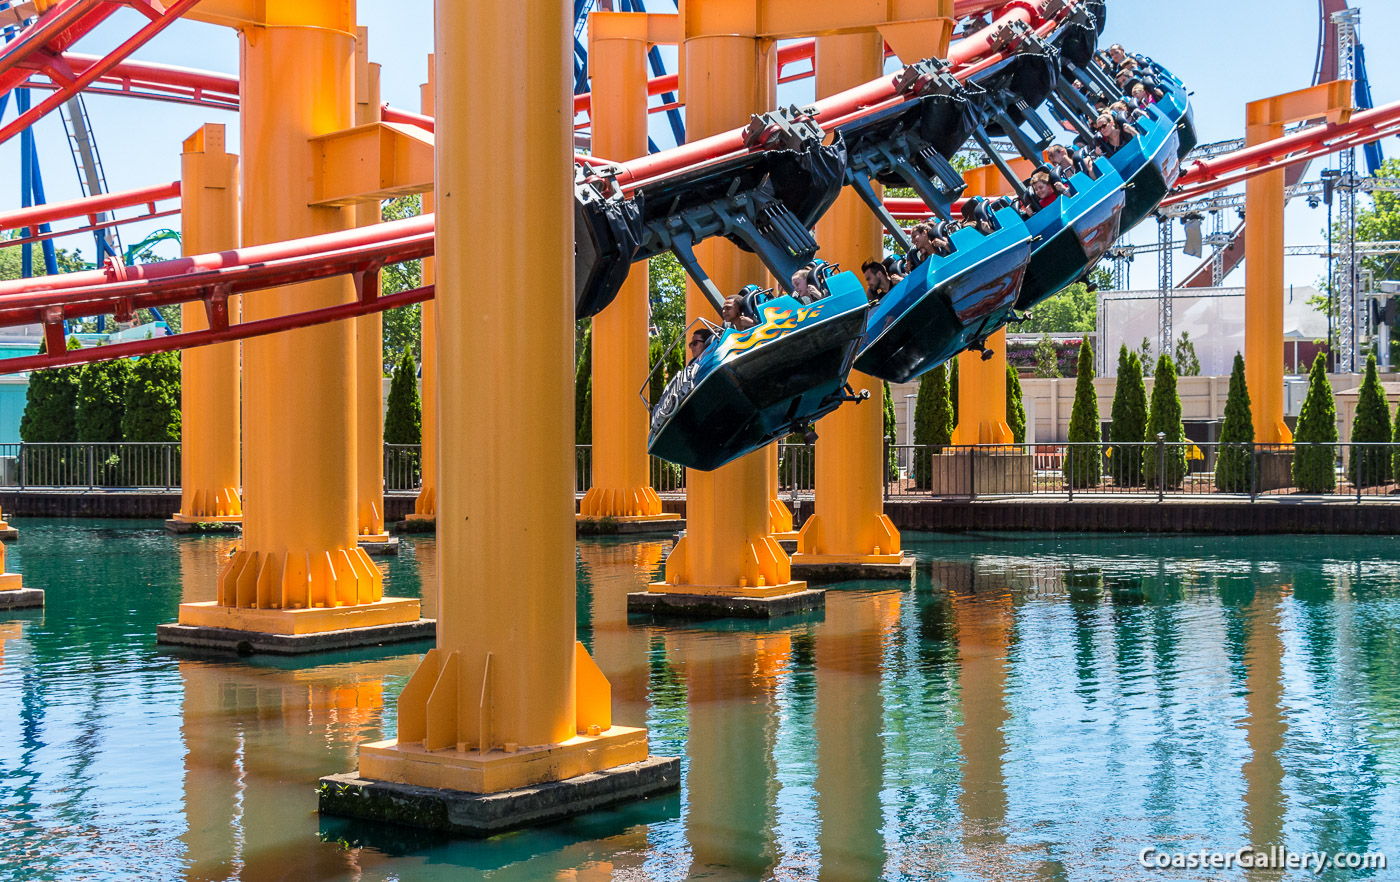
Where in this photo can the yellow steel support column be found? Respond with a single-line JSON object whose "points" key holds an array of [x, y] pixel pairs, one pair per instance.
{"points": [[849, 524], [210, 425], [300, 569], [507, 698], [728, 548], [1263, 250], [621, 485], [982, 384], [369, 340], [425, 506]]}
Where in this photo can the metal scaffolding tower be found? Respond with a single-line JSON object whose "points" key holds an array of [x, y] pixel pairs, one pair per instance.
{"points": [[1348, 337], [1165, 247]]}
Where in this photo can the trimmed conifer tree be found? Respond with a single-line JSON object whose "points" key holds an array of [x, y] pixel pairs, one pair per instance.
{"points": [[952, 390], [891, 426], [1164, 418], [152, 411], [1128, 427], [1315, 450], [1047, 358], [1395, 458], [933, 424], [1233, 458], [583, 390], [1015, 405], [1084, 464], [1370, 466], [102, 400], [50, 404], [403, 424]]}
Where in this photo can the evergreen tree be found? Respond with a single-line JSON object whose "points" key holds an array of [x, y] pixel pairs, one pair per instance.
{"points": [[152, 411], [656, 380], [1188, 365], [102, 399], [1164, 418], [1128, 426], [1315, 453], [1083, 465], [1395, 459], [952, 389], [891, 426], [933, 424], [403, 424], [50, 404], [1236, 450], [583, 389], [1047, 358], [1370, 466], [1015, 405], [1145, 351]]}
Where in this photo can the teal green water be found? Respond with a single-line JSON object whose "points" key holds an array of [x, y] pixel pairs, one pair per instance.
{"points": [[1035, 708]]}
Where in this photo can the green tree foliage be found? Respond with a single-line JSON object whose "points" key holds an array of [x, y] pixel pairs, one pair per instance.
{"points": [[666, 290], [1083, 465], [403, 424], [1145, 352], [403, 326], [665, 475], [1370, 466], [952, 390], [1128, 426], [933, 424], [152, 411], [1072, 311], [1395, 458], [1315, 455], [583, 389], [102, 399], [1164, 418], [50, 403], [1233, 457], [1015, 405], [1188, 365], [891, 424], [1047, 360]]}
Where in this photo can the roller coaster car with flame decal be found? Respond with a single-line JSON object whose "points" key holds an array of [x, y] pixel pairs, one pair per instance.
{"points": [[752, 387]]}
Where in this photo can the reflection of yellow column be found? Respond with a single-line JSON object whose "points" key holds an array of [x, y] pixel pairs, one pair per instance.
{"points": [[210, 466], [849, 524], [425, 506], [300, 569], [728, 548], [849, 720], [733, 726], [9, 631], [621, 486], [984, 629], [507, 698], [369, 341], [1265, 725]]}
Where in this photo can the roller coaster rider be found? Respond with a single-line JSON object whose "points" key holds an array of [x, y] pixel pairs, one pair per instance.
{"points": [[879, 281], [699, 342], [1112, 134], [738, 309]]}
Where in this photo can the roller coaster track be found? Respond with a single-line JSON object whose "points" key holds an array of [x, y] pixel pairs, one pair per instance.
{"points": [[211, 278]]}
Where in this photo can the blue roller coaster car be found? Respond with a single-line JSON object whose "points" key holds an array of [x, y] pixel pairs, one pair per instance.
{"points": [[751, 387], [947, 303], [1151, 162], [1071, 234]]}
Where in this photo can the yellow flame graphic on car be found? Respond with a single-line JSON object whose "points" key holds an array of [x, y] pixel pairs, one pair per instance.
{"points": [[776, 323]]}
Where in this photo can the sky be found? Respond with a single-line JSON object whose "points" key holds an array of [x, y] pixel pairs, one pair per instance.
{"points": [[1227, 51]]}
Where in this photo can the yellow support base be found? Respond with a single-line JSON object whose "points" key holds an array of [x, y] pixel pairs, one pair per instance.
{"points": [[811, 548], [374, 537], [765, 557], [218, 506], [780, 518], [389, 611], [10, 582], [298, 579], [425, 506], [728, 590], [493, 771], [206, 519], [627, 503]]}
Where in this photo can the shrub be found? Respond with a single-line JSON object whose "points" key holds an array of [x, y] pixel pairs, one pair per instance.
{"points": [[1233, 466], [583, 389], [50, 417], [1188, 365], [891, 423], [101, 405], [152, 411], [403, 424], [933, 424], [1370, 466], [1015, 405], [1128, 428], [1315, 456], [1164, 418], [1083, 465], [952, 390]]}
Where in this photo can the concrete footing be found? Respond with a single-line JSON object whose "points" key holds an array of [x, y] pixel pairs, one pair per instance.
{"points": [[824, 572], [383, 548], [251, 642], [22, 598], [413, 524], [8, 533], [621, 527], [482, 814], [717, 606], [175, 525]]}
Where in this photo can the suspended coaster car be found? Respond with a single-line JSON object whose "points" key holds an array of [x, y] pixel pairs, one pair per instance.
{"points": [[754, 386]]}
